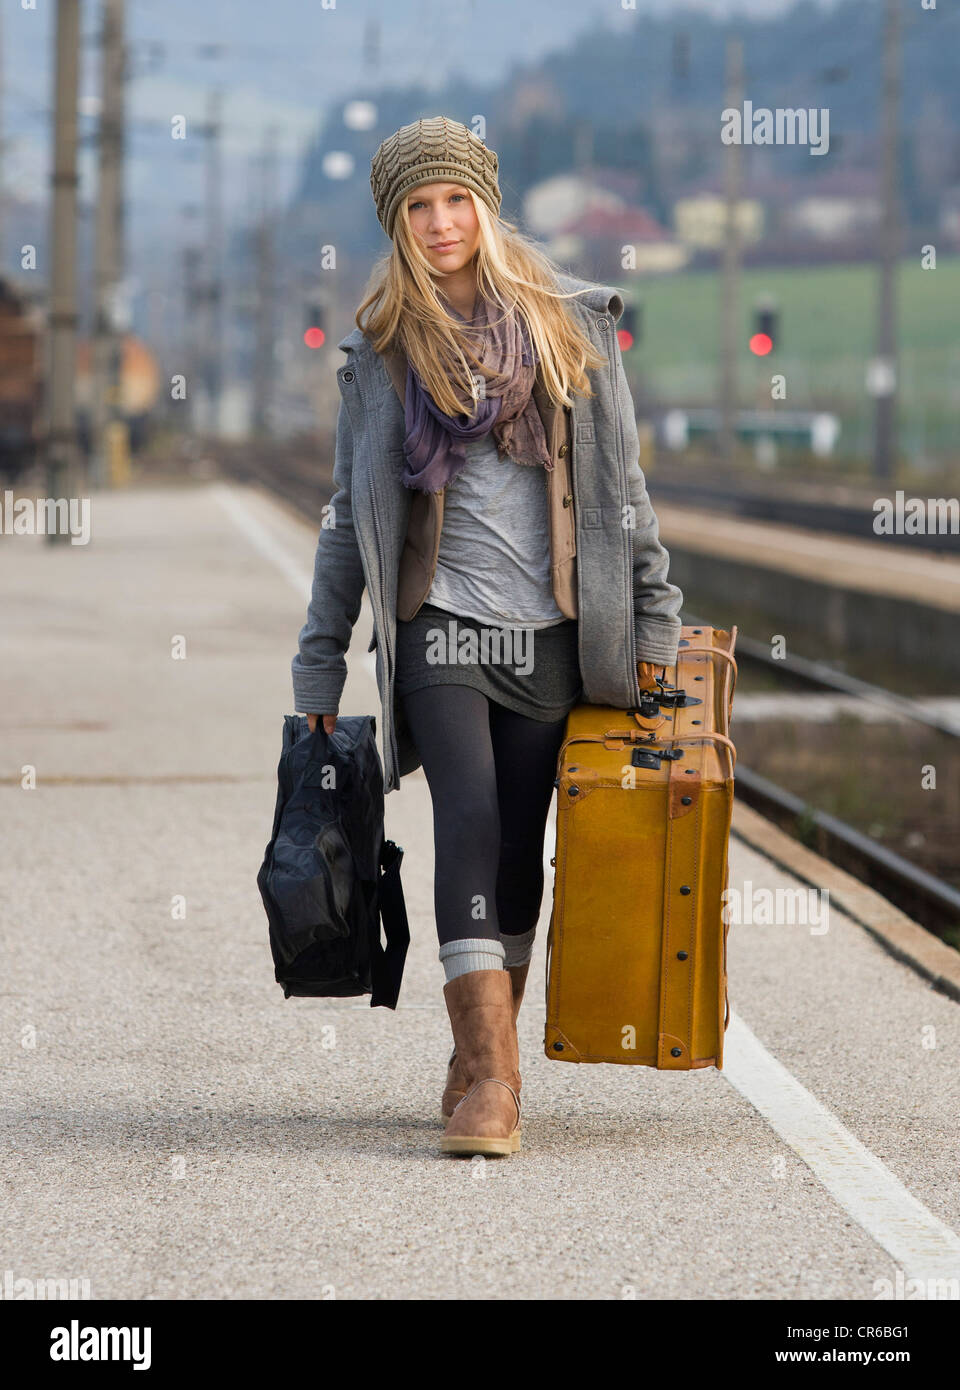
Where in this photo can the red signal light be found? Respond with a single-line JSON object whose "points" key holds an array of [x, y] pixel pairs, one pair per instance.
{"points": [[314, 337], [625, 339], [761, 344]]}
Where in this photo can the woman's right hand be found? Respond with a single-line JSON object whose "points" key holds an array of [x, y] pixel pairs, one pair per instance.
{"points": [[329, 722]]}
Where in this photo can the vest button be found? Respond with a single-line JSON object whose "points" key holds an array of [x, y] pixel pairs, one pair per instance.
{"points": [[564, 450], [568, 500]]}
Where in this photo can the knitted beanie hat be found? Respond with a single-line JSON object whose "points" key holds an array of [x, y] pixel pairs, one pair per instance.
{"points": [[434, 149]]}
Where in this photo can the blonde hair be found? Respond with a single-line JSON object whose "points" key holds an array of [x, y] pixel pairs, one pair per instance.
{"points": [[406, 312]]}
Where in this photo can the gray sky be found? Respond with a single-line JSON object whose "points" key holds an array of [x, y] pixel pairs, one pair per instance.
{"points": [[282, 63]]}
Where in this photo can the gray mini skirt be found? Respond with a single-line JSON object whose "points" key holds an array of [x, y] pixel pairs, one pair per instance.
{"points": [[534, 671]]}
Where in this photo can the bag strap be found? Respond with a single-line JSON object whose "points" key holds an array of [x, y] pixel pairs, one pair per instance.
{"points": [[386, 965]]}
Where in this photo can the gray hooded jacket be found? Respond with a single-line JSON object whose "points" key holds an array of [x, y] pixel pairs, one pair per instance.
{"points": [[628, 611]]}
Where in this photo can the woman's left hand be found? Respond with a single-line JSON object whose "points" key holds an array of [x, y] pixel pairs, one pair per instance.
{"points": [[647, 672]]}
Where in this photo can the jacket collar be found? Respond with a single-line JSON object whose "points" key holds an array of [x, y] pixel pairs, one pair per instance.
{"points": [[600, 298]]}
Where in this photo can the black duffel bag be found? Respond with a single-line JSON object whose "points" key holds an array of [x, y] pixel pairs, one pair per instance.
{"points": [[328, 876]]}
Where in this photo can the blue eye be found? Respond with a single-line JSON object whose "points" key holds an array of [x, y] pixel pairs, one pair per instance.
{"points": [[421, 204]]}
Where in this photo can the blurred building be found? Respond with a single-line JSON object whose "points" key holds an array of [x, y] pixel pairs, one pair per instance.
{"points": [[842, 205], [608, 235], [590, 219], [790, 218], [700, 222], [949, 220], [553, 203]]}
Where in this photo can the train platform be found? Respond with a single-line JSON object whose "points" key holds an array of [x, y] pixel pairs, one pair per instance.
{"points": [[173, 1128], [873, 566]]}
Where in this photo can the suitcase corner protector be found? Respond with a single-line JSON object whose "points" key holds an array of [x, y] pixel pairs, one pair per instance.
{"points": [[558, 1046], [672, 1053]]}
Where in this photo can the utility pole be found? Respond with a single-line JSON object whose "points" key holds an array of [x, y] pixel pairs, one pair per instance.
{"points": [[3, 205], [193, 366], [61, 429], [109, 436], [882, 378], [265, 340], [213, 278], [371, 45], [730, 281], [583, 160]]}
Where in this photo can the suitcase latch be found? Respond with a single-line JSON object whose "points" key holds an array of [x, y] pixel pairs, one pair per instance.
{"points": [[651, 757], [676, 699], [664, 697], [649, 705]]}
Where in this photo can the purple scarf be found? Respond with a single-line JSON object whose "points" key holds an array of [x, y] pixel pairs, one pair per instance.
{"points": [[434, 443]]}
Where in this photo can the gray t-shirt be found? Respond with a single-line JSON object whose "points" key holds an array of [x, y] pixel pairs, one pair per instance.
{"points": [[494, 557]]}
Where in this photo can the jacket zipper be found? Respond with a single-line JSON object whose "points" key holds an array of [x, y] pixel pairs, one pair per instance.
{"points": [[388, 654]]}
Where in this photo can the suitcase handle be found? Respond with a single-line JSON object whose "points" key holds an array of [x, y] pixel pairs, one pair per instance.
{"points": [[729, 670], [631, 735], [622, 736], [708, 738]]}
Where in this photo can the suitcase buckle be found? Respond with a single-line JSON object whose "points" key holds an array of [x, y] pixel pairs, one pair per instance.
{"points": [[651, 757], [676, 699], [652, 701], [649, 705]]}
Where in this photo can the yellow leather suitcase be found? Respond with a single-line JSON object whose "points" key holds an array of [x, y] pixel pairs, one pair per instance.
{"points": [[636, 954]]}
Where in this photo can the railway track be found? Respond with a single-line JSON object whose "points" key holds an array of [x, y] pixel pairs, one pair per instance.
{"points": [[926, 898], [842, 518], [299, 471]]}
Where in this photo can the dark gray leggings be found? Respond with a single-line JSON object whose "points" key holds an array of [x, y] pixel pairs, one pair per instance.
{"points": [[490, 773]]}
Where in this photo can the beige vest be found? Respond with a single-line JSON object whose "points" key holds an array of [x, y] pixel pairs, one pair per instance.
{"points": [[418, 561]]}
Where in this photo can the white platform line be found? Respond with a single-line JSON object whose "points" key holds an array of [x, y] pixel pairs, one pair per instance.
{"points": [[262, 541], [919, 1242], [271, 550]]}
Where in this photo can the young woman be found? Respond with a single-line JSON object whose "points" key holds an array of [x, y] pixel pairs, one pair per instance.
{"points": [[506, 587]]}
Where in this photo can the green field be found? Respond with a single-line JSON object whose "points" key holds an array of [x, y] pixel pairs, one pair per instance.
{"points": [[827, 329]]}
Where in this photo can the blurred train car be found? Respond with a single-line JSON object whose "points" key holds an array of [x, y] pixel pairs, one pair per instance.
{"points": [[22, 368], [139, 389], [21, 380]]}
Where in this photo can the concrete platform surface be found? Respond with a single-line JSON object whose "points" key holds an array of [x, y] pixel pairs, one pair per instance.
{"points": [[172, 1128]]}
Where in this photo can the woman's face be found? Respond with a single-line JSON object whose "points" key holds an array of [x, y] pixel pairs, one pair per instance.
{"points": [[445, 223]]}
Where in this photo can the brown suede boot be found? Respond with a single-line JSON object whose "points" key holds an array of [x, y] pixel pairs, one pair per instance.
{"points": [[487, 1120], [456, 1087]]}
